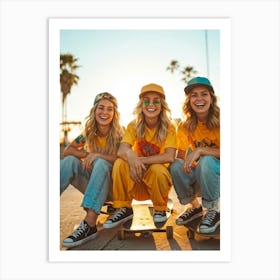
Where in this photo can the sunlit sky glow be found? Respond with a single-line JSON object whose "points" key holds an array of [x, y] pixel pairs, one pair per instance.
{"points": [[122, 61]]}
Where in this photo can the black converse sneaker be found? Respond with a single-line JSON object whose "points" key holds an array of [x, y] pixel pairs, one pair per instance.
{"points": [[210, 221], [82, 234], [188, 215], [120, 216]]}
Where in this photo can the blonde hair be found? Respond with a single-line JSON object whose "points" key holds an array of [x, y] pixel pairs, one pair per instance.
{"points": [[213, 118], [163, 120], [91, 131]]}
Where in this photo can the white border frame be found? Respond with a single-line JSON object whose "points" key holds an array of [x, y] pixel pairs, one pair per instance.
{"points": [[255, 44], [55, 25]]}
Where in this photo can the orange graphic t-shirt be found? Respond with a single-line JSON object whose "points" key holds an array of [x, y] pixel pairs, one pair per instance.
{"points": [[202, 137], [149, 146]]}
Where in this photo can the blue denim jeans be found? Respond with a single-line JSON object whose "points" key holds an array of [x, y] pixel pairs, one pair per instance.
{"points": [[204, 181], [96, 185]]}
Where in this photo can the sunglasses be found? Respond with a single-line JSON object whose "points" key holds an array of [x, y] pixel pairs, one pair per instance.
{"points": [[147, 102], [106, 95]]}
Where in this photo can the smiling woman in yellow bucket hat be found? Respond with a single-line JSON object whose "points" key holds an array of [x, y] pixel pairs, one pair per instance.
{"points": [[147, 148]]}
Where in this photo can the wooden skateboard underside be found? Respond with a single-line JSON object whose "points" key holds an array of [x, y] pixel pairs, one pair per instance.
{"points": [[143, 223]]}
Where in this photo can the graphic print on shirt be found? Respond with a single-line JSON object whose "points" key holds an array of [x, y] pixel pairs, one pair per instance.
{"points": [[80, 139], [147, 149], [205, 142]]}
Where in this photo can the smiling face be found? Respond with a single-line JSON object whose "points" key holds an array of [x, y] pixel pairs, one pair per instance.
{"points": [[200, 101], [104, 112], [151, 105]]}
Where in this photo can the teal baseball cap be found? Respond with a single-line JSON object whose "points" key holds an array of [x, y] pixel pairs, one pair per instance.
{"points": [[198, 81]]}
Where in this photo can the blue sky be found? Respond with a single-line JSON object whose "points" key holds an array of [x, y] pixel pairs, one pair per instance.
{"points": [[122, 61]]}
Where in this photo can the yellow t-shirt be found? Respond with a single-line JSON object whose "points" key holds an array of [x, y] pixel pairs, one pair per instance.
{"points": [[102, 141], [149, 146], [202, 137]]}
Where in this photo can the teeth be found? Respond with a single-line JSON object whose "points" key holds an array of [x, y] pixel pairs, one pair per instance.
{"points": [[151, 110]]}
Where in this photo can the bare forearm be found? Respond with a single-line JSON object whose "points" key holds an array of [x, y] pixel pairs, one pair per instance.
{"points": [[207, 151], [83, 154], [126, 153], [72, 151], [161, 159], [110, 158]]}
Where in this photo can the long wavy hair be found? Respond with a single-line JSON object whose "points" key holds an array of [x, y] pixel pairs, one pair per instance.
{"points": [[163, 120], [91, 130], [213, 118]]}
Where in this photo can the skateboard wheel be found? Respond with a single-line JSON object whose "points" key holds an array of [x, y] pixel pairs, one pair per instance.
{"points": [[169, 232], [190, 234], [146, 234]]}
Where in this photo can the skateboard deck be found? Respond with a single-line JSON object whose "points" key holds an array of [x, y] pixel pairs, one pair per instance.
{"points": [[143, 223], [193, 230]]}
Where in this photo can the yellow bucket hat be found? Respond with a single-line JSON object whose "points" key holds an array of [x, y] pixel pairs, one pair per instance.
{"points": [[152, 88]]}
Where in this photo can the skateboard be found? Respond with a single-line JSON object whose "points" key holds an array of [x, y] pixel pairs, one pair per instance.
{"points": [[193, 230], [143, 223]]}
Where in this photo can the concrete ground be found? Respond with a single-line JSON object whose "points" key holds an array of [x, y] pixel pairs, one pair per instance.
{"points": [[71, 215]]}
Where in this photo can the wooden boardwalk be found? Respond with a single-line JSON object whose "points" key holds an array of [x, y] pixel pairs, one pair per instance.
{"points": [[71, 215]]}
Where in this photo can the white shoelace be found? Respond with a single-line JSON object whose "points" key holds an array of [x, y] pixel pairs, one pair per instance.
{"points": [[118, 214], [209, 217], [82, 228], [188, 212]]}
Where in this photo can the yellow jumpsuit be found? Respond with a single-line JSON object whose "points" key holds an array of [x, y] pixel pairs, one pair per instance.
{"points": [[157, 181]]}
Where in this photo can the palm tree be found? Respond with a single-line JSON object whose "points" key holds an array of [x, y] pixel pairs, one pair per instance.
{"points": [[68, 78], [174, 65], [188, 73]]}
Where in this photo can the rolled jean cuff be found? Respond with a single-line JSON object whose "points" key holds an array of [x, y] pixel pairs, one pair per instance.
{"points": [[97, 211], [210, 204], [186, 200]]}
